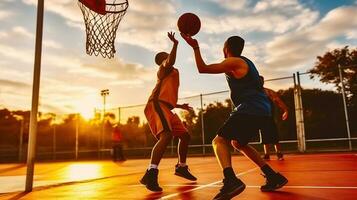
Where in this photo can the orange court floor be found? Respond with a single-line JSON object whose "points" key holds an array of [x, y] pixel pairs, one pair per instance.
{"points": [[329, 176]]}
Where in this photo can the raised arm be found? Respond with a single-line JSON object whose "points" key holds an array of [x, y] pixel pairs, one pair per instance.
{"points": [[277, 101], [233, 64], [171, 59]]}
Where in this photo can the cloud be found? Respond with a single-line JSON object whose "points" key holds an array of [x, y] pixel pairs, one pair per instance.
{"points": [[4, 14], [13, 84], [301, 47], [117, 70], [232, 5], [276, 16], [67, 9]]}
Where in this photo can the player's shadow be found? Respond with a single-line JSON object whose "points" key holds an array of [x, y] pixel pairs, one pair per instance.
{"points": [[185, 192], [290, 195], [153, 196]]}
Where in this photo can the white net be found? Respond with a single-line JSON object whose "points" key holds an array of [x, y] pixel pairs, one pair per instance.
{"points": [[101, 29]]}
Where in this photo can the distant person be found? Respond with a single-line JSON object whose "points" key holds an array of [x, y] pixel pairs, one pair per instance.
{"points": [[251, 112], [269, 132], [164, 124], [117, 139]]}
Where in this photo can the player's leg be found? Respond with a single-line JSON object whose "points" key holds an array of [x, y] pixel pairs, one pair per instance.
{"points": [[180, 131], [159, 126], [249, 152], [279, 154], [232, 186], [160, 147], [272, 130], [265, 132], [266, 155], [274, 180]]}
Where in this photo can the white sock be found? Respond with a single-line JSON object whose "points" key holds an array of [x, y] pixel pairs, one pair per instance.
{"points": [[182, 164], [152, 166]]}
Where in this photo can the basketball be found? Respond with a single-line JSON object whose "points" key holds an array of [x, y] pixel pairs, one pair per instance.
{"points": [[189, 24]]}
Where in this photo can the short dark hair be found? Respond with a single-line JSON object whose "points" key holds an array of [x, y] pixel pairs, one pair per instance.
{"points": [[160, 57], [235, 45]]}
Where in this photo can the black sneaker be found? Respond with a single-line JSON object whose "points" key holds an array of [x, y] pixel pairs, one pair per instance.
{"points": [[274, 182], [150, 180], [184, 172], [280, 156], [266, 157], [230, 189]]}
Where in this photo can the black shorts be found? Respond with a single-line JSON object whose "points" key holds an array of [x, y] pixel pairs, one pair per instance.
{"points": [[269, 132], [242, 127]]}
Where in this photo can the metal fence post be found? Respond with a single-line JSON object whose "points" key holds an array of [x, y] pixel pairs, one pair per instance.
{"points": [[77, 134], [202, 126], [345, 107], [54, 142], [119, 115], [21, 139], [299, 114]]}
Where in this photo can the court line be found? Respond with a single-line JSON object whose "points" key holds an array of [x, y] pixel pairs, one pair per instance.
{"points": [[258, 186], [204, 186]]}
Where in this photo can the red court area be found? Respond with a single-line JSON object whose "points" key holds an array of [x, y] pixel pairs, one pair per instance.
{"points": [[311, 177]]}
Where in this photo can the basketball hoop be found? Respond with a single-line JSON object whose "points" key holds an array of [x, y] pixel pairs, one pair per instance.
{"points": [[102, 18]]}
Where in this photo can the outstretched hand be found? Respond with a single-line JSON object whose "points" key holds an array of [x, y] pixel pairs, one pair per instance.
{"points": [[171, 35], [190, 41]]}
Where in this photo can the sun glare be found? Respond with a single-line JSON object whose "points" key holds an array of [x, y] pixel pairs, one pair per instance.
{"points": [[85, 107], [84, 171]]}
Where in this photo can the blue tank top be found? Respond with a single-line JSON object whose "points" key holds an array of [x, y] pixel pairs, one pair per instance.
{"points": [[247, 93]]}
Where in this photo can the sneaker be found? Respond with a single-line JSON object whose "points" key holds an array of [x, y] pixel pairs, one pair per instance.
{"points": [[230, 189], [184, 172], [266, 157], [280, 156], [150, 180], [274, 182]]}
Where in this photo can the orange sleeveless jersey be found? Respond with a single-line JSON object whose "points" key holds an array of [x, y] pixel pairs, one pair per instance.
{"points": [[167, 88]]}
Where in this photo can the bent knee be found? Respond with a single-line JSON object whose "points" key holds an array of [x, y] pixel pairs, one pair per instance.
{"points": [[185, 137], [218, 140], [236, 144], [165, 136]]}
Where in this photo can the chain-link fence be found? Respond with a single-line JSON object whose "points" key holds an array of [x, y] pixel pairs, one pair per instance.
{"points": [[321, 118]]}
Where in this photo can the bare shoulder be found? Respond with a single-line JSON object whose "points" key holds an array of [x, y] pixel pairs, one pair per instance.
{"points": [[235, 63]]}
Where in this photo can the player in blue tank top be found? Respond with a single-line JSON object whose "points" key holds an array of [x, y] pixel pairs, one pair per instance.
{"points": [[252, 110]]}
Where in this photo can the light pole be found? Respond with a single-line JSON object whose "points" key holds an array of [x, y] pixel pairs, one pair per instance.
{"points": [[104, 93], [35, 96]]}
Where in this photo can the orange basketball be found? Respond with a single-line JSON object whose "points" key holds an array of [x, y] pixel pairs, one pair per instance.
{"points": [[189, 24]]}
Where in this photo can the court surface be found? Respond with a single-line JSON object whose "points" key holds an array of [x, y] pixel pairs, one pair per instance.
{"points": [[311, 177]]}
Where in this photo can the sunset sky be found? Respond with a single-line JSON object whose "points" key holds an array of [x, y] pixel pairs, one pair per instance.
{"points": [[282, 37]]}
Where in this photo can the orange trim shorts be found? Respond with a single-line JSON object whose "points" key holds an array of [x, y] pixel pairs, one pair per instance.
{"points": [[161, 119]]}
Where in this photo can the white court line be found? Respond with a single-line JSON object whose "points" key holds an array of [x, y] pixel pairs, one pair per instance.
{"points": [[203, 186], [258, 186]]}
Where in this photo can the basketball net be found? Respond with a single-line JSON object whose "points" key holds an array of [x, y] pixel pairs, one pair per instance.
{"points": [[101, 29]]}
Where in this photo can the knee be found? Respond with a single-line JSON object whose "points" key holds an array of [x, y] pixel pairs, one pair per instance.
{"points": [[236, 144], [218, 140], [166, 137], [185, 137]]}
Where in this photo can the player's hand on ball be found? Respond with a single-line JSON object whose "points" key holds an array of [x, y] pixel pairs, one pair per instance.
{"points": [[190, 41], [284, 116], [171, 35]]}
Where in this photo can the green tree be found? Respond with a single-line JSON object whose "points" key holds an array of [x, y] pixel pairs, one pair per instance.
{"points": [[326, 69]]}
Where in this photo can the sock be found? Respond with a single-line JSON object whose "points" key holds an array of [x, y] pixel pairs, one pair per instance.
{"points": [[182, 164], [229, 173], [152, 166], [267, 170]]}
